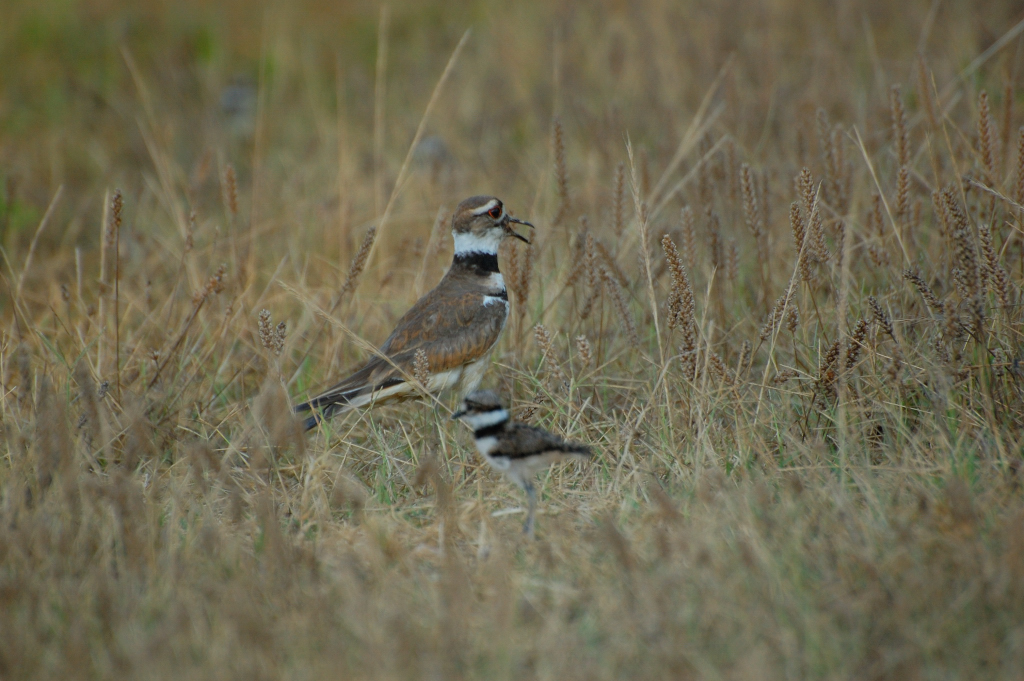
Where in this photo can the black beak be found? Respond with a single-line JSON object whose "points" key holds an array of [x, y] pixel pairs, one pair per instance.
{"points": [[512, 232], [459, 414]]}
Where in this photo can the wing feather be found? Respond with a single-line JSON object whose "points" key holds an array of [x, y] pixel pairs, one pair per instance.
{"points": [[524, 441], [452, 334]]}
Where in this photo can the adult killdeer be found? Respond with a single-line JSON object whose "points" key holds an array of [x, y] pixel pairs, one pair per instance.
{"points": [[515, 449], [455, 325]]}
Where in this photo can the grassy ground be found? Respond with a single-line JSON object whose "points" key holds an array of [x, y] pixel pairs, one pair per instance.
{"points": [[807, 401]]}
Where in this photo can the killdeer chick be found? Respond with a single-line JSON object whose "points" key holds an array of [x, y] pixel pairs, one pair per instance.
{"points": [[455, 325], [515, 449]]}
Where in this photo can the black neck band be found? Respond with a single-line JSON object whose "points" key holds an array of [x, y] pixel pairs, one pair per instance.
{"points": [[477, 262], [490, 431]]}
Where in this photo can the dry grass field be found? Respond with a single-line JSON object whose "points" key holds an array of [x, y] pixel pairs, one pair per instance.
{"points": [[775, 284]]}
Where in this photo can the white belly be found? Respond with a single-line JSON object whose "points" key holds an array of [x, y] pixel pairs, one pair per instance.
{"points": [[473, 373]]}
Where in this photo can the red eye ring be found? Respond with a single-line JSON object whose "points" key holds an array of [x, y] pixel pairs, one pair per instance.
{"points": [[495, 212]]}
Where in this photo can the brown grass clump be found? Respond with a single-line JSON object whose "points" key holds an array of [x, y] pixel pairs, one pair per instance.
{"points": [[824, 487]]}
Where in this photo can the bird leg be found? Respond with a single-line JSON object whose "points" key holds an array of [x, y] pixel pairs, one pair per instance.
{"points": [[531, 496]]}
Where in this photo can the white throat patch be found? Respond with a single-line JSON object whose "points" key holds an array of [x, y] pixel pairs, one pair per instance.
{"points": [[487, 418], [466, 242]]}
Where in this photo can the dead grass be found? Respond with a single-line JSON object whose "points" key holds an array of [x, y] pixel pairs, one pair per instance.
{"points": [[805, 392]]}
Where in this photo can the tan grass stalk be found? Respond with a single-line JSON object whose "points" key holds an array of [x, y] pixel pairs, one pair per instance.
{"points": [[792, 317], [593, 275], [265, 329], [875, 223], [804, 255], [714, 240], [840, 243], [876, 227], [584, 351], [953, 328], [942, 213], [744, 359], [35, 240], [116, 205], [190, 231], [640, 193], [271, 338], [804, 183], [403, 172], [549, 356], [421, 367], [618, 297], [784, 376], [433, 247], [213, 286], [732, 261], [879, 256], [718, 369], [579, 252], [796, 223], [995, 275], [643, 163], [827, 369], [903, 193], [609, 261], [356, 267], [681, 301], [899, 127], [351, 280], [776, 315], [986, 139], [752, 213], [965, 250], [855, 343], [812, 226], [881, 317], [619, 200]]}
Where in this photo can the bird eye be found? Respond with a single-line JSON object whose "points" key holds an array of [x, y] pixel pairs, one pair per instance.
{"points": [[495, 212]]}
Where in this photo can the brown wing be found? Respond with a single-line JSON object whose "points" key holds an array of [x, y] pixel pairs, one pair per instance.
{"points": [[452, 328], [522, 441]]}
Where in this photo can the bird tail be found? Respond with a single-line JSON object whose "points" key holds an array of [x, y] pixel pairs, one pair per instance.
{"points": [[339, 399], [321, 408], [577, 450], [312, 422]]}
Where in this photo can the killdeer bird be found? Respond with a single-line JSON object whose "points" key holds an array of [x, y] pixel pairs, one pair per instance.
{"points": [[515, 449], [455, 325]]}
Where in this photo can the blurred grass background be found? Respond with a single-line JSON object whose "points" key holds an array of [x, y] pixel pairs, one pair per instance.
{"points": [[754, 511]]}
